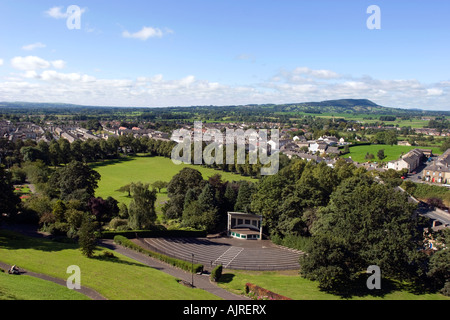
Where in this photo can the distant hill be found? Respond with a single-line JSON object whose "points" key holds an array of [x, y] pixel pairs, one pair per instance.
{"points": [[341, 106], [343, 103]]}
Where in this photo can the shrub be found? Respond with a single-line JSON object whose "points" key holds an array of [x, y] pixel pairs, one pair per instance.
{"points": [[185, 265], [117, 222], [216, 273]]}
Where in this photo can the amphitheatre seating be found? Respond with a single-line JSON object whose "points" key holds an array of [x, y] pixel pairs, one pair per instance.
{"points": [[240, 255]]}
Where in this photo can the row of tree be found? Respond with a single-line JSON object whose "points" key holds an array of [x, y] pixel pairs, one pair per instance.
{"points": [[204, 204]]}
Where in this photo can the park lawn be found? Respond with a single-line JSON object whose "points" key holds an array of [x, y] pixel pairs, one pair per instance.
{"points": [[119, 278], [290, 284], [23, 287], [115, 174], [358, 153]]}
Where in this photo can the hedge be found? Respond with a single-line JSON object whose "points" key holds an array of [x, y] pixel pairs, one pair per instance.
{"points": [[185, 265], [157, 233], [216, 273], [261, 293]]}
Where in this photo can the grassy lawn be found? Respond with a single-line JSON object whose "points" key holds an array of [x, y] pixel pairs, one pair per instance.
{"points": [[116, 174], [23, 287], [291, 285], [118, 278], [394, 152]]}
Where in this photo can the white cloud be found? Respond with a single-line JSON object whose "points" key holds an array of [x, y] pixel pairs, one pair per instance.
{"points": [[146, 33], [58, 13], [319, 74], [435, 92], [31, 63], [40, 83], [33, 46], [58, 64], [1, 62], [51, 75]]}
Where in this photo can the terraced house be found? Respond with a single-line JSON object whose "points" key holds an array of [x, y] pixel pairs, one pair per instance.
{"points": [[410, 161], [438, 171]]}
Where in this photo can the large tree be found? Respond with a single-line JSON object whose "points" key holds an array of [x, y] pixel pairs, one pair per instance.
{"points": [[365, 223], [141, 210], [177, 188], [74, 179], [9, 201], [87, 238]]}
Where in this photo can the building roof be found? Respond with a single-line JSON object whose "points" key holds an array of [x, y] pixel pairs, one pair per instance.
{"points": [[244, 215]]}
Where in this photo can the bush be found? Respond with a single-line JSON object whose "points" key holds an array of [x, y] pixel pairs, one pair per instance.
{"points": [[291, 241], [185, 265], [117, 222], [216, 273]]}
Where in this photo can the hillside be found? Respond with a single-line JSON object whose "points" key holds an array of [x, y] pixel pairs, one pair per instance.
{"points": [[342, 106]]}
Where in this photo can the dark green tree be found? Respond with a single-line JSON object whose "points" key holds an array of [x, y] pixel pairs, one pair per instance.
{"points": [[9, 201], [380, 154], [74, 179], [244, 197], [141, 210], [365, 223], [87, 239]]}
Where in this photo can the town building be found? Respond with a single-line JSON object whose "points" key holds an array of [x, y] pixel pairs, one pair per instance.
{"points": [[438, 171], [244, 226], [410, 161]]}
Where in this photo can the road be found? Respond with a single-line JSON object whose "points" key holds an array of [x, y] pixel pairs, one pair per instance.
{"points": [[429, 212]]}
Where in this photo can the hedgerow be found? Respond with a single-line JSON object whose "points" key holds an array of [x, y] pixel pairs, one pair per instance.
{"points": [[185, 265]]}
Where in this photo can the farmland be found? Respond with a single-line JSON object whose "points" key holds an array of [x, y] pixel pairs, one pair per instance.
{"points": [[358, 153]]}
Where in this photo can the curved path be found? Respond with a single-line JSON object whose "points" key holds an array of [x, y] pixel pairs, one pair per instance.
{"points": [[94, 295]]}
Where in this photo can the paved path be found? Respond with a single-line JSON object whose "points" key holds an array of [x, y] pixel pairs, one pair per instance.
{"points": [[94, 295], [200, 281]]}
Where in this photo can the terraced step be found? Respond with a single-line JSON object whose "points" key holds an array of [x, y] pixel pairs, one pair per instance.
{"points": [[228, 256]]}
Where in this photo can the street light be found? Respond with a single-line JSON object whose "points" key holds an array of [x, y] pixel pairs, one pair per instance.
{"points": [[192, 270]]}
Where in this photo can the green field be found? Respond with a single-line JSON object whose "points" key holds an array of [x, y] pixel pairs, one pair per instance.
{"points": [[413, 123], [291, 285], [358, 153], [115, 174], [119, 278]]}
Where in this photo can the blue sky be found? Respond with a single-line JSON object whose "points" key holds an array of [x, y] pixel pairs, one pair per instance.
{"points": [[217, 52]]}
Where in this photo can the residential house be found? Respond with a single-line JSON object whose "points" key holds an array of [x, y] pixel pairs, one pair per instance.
{"points": [[410, 161], [438, 171]]}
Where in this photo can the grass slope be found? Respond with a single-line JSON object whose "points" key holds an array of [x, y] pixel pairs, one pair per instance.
{"points": [[120, 278], [23, 287], [291, 285]]}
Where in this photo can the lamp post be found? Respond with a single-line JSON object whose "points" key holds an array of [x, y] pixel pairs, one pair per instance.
{"points": [[192, 271]]}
